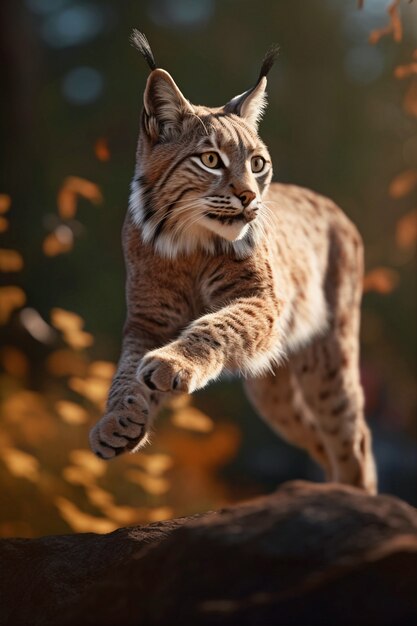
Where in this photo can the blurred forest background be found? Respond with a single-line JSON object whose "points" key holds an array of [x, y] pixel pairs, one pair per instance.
{"points": [[342, 119]]}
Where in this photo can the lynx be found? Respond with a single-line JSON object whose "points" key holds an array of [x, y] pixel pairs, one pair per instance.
{"points": [[227, 271]]}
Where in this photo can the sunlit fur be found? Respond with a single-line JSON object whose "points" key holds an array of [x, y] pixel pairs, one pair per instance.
{"points": [[181, 206], [227, 272]]}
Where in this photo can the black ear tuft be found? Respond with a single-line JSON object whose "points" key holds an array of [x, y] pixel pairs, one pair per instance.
{"points": [[140, 42], [268, 61]]}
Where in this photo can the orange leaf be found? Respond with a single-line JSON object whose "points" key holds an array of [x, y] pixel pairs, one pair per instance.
{"points": [[71, 413], [410, 99], [193, 419], [67, 203], [11, 298], [88, 460], [93, 388], [154, 464], [66, 321], [154, 485], [82, 522], [404, 71], [66, 363], [10, 261], [99, 497], [393, 27], [381, 280], [14, 361], [101, 149], [4, 224], [20, 463], [397, 27], [78, 339], [61, 240], [406, 230], [5, 202], [73, 186], [403, 184], [102, 369], [70, 324]]}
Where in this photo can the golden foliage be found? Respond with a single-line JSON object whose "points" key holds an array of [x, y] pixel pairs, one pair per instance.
{"points": [[72, 187], [101, 149], [204, 452], [381, 280], [87, 460], [10, 261], [82, 522], [4, 224], [60, 241], [406, 230], [410, 99], [11, 298], [192, 419], [93, 388], [154, 485], [102, 369], [66, 321], [20, 463], [28, 410], [99, 497], [85, 468], [403, 184], [14, 361], [5, 202], [71, 413], [154, 464], [70, 324], [394, 26], [67, 363], [405, 71]]}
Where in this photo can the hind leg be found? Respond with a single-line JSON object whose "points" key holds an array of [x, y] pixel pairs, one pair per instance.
{"points": [[278, 399], [328, 372]]}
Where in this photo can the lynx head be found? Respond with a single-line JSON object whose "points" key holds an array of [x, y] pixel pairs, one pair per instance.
{"points": [[200, 172]]}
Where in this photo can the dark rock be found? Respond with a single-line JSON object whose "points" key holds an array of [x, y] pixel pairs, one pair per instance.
{"points": [[307, 554]]}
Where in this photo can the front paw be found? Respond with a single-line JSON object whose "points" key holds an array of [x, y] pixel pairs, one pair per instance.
{"points": [[163, 371], [124, 426]]}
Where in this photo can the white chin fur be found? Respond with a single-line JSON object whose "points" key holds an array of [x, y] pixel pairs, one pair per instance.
{"points": [[231, 232]]}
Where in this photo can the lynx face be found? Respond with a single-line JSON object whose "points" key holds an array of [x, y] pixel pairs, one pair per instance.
{"points": [[201, 173]]}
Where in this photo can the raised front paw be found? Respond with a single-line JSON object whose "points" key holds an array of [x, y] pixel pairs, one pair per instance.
{"points": [[124, 427], [163, 371]]}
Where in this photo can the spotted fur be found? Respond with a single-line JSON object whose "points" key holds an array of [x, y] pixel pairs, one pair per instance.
{"points": [[228, 272]]}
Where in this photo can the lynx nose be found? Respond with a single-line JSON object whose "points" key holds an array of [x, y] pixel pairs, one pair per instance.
{"points": [[246, 197]]}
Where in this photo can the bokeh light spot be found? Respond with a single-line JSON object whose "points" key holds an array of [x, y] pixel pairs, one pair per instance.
{"points": [[82, 85], [188, 13], [73, 26], [364, 64]]}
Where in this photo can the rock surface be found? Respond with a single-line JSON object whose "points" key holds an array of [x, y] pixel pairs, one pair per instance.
{"points": [[307, 554]]}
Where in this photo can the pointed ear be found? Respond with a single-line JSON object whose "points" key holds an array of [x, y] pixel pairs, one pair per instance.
{"points": [[252, 103], [164, 106]]}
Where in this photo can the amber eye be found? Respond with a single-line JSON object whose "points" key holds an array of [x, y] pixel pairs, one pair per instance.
{"points": [[211, 160], [257, 164]]}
